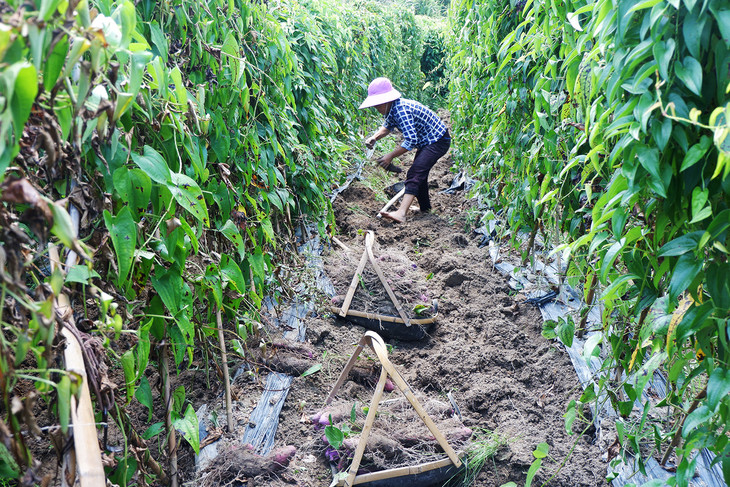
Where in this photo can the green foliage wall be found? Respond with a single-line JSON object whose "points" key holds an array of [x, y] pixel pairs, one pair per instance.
{"points": [[194, 137], [605, 124], [433, 61]]}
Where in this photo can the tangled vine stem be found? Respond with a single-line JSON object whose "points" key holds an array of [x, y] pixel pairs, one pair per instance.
{"points": [[167, 397], [533, 234], [122, 419], [678, 434], [589, 302]]}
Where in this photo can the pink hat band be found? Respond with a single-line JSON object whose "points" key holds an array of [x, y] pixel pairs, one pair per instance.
{"points": [[380, 91]]}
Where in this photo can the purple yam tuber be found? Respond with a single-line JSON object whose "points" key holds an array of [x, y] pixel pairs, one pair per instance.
{"points": [[453, 434], [376, 442], [242, 462], [351, 443], [331, 454], [282, 456], [323, 417], [324, 420], [294, 347]]}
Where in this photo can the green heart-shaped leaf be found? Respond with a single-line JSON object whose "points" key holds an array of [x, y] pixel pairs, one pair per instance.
{"points": [[690, 72], [663, 52]]}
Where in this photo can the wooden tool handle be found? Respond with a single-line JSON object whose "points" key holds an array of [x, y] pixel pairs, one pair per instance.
{"points": [[392, 200]]}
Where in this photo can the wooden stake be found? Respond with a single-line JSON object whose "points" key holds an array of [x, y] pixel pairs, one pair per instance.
{"points": [[226, 377], [354, 283], [390, 203], [250, 276], [87, 453], [369, 240], [377, 395]]}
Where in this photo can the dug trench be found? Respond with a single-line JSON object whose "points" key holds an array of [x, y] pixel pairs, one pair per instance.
{"points": [[486, 350]]}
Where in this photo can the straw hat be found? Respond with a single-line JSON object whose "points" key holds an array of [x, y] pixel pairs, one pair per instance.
{"points": [[380, 91]]}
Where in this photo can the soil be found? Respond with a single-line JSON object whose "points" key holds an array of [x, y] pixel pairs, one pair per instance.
{"points": [[486, 349]]}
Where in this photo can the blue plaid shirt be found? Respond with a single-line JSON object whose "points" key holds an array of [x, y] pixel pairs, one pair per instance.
{"points": [[419, 124]]}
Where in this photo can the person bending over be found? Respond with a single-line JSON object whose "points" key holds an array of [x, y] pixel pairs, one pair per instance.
{"points": [[422, 130]]}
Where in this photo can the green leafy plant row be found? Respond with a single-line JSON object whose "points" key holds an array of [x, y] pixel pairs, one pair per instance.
{"points": [[177, 147], [603, 126]]}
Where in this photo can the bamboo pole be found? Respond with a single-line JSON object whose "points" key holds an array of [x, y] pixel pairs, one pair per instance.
{"points": [[400, 471], [226, 377], [86, 442], [384, 318], [354, 283], [348, 367], [369, 240], [86, 453], [367, 427], [390, 202], [341, 244]]}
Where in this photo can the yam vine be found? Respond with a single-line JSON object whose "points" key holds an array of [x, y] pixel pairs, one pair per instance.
{"points": [[177, 147], [606, 123]]}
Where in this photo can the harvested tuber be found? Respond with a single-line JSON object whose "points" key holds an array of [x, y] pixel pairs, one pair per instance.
{"points": [[240, 462]]}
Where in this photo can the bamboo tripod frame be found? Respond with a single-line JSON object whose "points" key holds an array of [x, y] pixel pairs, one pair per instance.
{"points": [[376, 343], [368, 255]]}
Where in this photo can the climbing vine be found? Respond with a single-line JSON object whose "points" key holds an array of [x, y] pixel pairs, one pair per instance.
{"points": [[606, 123], [177, 148]]}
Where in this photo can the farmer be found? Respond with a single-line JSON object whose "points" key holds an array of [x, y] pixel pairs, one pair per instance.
{"points": [[422, 130]]}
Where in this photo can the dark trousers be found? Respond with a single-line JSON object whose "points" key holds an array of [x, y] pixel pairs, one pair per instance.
{"points": [[417, 176]]}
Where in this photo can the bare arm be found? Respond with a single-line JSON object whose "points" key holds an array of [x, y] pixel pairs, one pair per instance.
{"points": [[370, 141], [385, 160]]}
